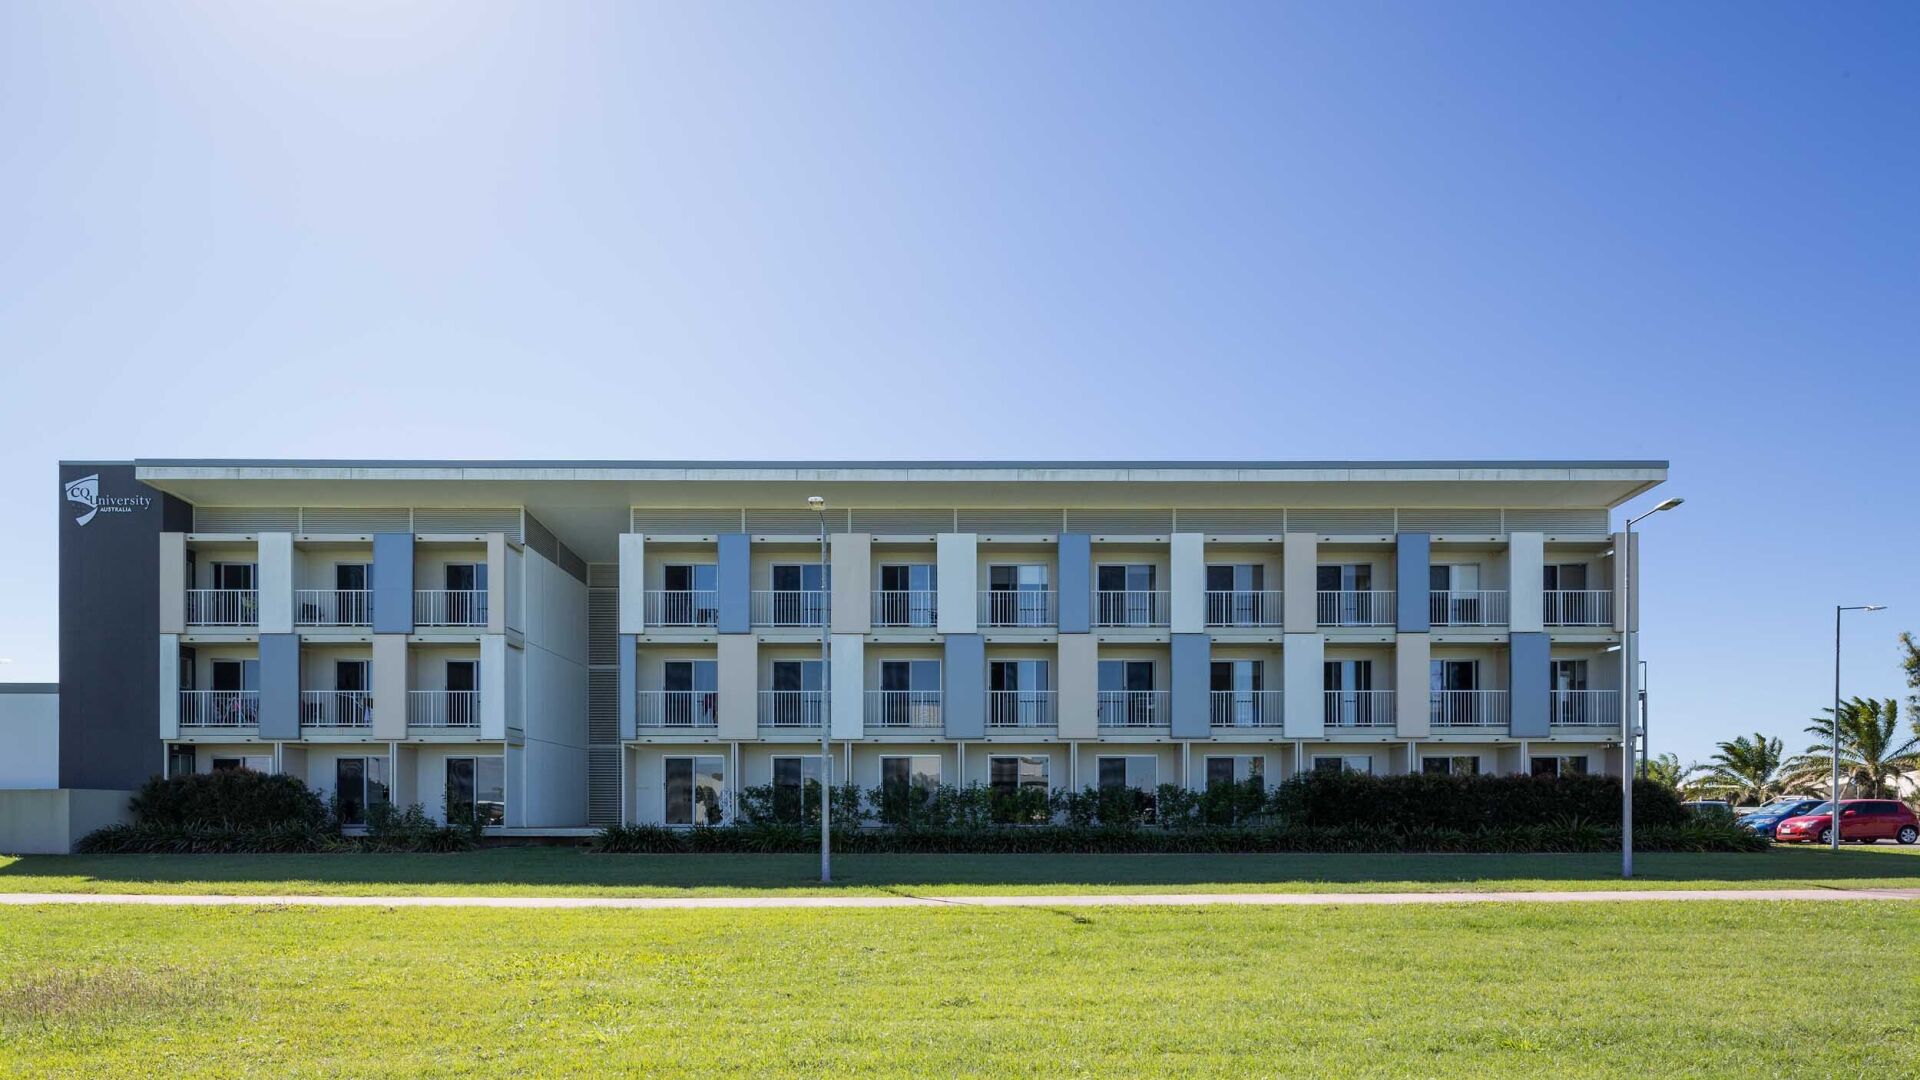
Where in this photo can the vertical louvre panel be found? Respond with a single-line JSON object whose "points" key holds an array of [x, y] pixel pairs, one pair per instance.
{"points": [[1341, 522], [246, 519], [338, 520]]}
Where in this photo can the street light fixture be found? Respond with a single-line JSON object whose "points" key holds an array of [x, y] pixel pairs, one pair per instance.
{"points": [[1628, 679], [1833, 827], [819, 506]]}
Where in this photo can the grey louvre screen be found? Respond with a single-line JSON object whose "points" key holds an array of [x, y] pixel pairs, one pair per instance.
{"points": [[1021, 522], [603, 786], [1474, 522], [1232, 522], [1120, 521], [801, 521], [902, 522], [246, 519], [603, 627], [436, 520], [1584, 522], [685, 522], [1340, 522], [339, 520], [603, 708], [603, 575]]}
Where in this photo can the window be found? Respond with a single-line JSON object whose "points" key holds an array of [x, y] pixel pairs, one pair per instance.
{"points": [[1234, 595], [695, 790], [798, 687], [1126, 693], [1017, 595], [1569, 602], [1017, 694], [1005, 775], [1453, 702], [1332, 763], [1455, 594], [908, 594], [259, 763], [1564, 577], [690, 594], [690, 693], [1349, 701], [909, 693], [477, 790], [1137, 771], [1565, 765], [1125, 594], [466, 599], [181, 761], [234, 703], [352, 577], [352, 603], [229, 575], [1236, 698], [1456, 765], [1240, 769], [463, 693], [918, 770], [791, 778], [359, 783], [1351, 603], [799, 594]]}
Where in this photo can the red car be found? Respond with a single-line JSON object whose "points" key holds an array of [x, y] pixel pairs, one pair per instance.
{"points": [[1862, 821]]}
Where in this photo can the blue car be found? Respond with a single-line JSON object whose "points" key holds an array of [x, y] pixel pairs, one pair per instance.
{"points": [[1768, 818]]}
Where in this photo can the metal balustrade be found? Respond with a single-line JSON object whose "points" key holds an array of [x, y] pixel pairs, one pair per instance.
{"points": [[1245, 607], [450, 607], [443, 709], [1359, 709], [219, 709], [1020, 709], [1577, 607], [682, 607], [1467, 607], [1130, 607], [903, 709], [1018, 607], [223, 607], [336, 709], [1132, 709], [1468, 708], [677, 709], [792, 708], [906, 607], [1245, 708], [333, 607], [1354, 607], [790, 607], [1584, 708]]}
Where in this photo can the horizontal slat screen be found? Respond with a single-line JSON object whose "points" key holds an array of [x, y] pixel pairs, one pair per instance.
{"points": [[1120, 521], [337, 520], [903, 522], [1340, 522], [686, 522], [1021, 522], [438, 520], [246, 519], [603, 575], [1473, 522], [1591, 522], [795, 521], [1232, 522], [603, 786]]}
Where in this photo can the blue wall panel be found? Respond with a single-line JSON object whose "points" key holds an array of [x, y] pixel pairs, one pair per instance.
{"points": [[393, 583], [279, 686], [1529, 685], [1192, 678], [1412, 558], [629, 683], [963, 704], [734, 577], [1076, 583]]}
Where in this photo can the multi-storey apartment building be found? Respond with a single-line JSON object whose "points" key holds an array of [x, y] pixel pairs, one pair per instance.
{"points": [[558, 645]]}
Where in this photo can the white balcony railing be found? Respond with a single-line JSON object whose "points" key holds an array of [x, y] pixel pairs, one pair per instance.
{"points": [[682, 607], [336, 709], [1245, 708], [1359, 708], [792, 708], [1354, 607], [1577, 607], [890, 709], [1020, 709], [1585, 708], [449, 607], [1467, 607], [1125, 709], [333, 607], [223, 607], [1018, 607], [669, 709], [1130, 607], [219, 709], [1245, 607], [789, 607], [1468, 708], [906, 607], [443, 709]]}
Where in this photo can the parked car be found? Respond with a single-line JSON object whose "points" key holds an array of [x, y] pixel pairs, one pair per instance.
{"points": [[1764, 820], [1862, 821]]}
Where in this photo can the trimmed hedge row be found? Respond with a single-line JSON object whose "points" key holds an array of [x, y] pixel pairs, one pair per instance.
{"points": [[1467, 802], [239, 811]]}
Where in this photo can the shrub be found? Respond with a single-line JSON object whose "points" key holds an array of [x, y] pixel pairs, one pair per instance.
{"points": [[236, 800]]}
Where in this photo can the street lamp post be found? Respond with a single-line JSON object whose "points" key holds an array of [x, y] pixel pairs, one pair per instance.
{"points": [[1628, 678], [819, 506], [1833, 818]]}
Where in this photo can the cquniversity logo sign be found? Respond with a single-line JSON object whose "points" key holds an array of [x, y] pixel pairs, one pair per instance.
{"points": [[87, 500]]}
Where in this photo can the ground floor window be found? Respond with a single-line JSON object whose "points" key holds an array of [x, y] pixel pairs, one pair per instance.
{"points": [[1452, 765], [792, 776], [359, 784], [1240, 769], [181, 760], [1337, 763], [917, 770], [1007, 775], [477, 790], [696, 790], [256, 762], [1138, 773], [1560, 765]]}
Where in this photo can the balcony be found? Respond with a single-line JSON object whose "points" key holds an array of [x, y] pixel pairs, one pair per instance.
{"points": [[1132, 710], [1467, 607], [443, 710], [1245, 708], [1245, 607], [223, 607], [1009, 710], [1577, 607], [1130, 607], [906, 607], [795, 710], [1359, 709], [1454, 709], [333, 607], [890, 710], [449, 607], [789, 607], [1585, 709], [230, 710], [1354, 607], [677, 709], [1019, 607], [336, 709], [681, 607]]}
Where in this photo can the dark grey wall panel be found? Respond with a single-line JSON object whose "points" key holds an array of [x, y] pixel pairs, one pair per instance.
{"points": [[1076, 583], [279, 686], [1529, 686], [734, 574], [1413, 555], [963, 704], [1192, 678], [393, 583]]}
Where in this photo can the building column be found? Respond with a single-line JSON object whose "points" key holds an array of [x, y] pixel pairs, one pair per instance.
{"points": [[1300, 570], [957, 556], [1529, 685], [1526, 578], [1304, 713], [169, 686], [738, 662], [173, 583], [493, 686], [1187, 583], [1412, 563], [393, 583], [1075, 610], [390, 686], [1192, 679], [1077, 687], [632, 618], [733, 575], [629, 686], [850, 564], [847, 697], [275, 578], [1412, 700], [963, 700], [279, 686]]}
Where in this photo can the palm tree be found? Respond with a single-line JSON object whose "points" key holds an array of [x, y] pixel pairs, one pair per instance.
{"points": [[1872, 750], [1666, 770], [1746, 769]]}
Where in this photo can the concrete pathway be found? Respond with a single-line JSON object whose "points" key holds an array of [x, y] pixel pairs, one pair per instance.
{"points": [[902, 900]]}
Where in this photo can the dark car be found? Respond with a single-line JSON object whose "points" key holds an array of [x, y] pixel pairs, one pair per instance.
{"points": [[1768, 818], [1862, 821]]}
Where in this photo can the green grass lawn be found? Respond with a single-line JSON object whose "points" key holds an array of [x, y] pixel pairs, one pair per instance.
{"points": [[538, 871], [1704, 989]]}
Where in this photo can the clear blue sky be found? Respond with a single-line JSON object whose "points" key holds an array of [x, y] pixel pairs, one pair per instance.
{"points": [[1002, 231]]}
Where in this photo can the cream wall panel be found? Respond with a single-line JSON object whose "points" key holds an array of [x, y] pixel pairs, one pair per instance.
{"points": [[633, 583], [390, 685], [497, 582], [847, 693], [276, 583], [850, 559], [1300, 563], [1413, 718], [739, 677], [1077, 684], [493, 687], [169, 702], [1187, 583], [1305, 684], [173, 583], [1526, 559], [958, 555]]}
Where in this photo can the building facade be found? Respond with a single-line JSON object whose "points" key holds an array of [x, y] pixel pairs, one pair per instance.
{"points": [[559, 645]]}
